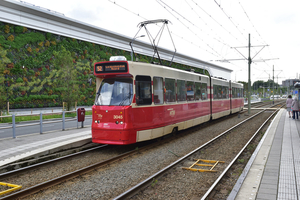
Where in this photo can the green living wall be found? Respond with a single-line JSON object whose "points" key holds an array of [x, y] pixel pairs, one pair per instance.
{"points": [[28, 78]]}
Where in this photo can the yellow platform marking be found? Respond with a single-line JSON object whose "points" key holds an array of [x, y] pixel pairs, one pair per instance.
{"points": [[215, 162], [13, 188]]}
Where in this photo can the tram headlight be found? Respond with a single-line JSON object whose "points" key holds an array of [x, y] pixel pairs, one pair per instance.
{"points": [[95, 121], [121, 122], [117, 122]]}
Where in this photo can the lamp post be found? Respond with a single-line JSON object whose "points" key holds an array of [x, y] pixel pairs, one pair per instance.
{"points": [[131, 45], [6, 88]]}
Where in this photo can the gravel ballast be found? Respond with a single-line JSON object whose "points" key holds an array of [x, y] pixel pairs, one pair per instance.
{"points": [[110, 181]]}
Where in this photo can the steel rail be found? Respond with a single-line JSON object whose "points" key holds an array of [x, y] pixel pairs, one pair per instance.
{"points": [[236, 157], [132, 191], [28, 191], [44, 185], [31, 167]]}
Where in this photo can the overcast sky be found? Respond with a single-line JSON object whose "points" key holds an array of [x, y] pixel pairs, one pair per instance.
{"points": [[208, 29]]}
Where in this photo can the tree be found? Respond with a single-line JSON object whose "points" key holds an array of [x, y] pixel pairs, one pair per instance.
{"points": [[3, 84], [66, 77]]}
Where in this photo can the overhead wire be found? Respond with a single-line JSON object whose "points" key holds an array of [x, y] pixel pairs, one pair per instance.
{"points": [[180, 37], [217, 39], [263, 41], [127, 9], [219, 24], [214, 32], [251, 22], [169, 9], [184, 24], [230, 19], [215, 20]]}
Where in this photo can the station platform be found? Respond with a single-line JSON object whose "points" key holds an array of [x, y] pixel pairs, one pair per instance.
{"points": [[36, 145], [273, 171]]}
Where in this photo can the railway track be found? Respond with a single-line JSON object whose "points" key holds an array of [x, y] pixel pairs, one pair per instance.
{"points": [[265, 103], [34, 189], [139, 191], [48, 183], [210, 193]]}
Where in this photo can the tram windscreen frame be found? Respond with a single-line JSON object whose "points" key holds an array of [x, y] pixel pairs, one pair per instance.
{"points": [[111, 67]]}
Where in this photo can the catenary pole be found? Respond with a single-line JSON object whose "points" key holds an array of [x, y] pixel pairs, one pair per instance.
{"points": [[249, 79], [273, 85]]}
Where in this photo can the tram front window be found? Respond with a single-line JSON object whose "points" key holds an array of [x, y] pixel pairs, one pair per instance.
{"points": [[114, 92]]}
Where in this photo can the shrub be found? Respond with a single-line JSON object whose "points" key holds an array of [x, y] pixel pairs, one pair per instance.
{"points": [[28, 38], [30, 72], [6, 29], [19, 80], [48, 36], [10, 65], [11, 38], [19, 29], [47, 43]]}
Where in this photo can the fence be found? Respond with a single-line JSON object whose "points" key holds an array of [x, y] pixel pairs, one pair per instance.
{"points": [[41, 122]]}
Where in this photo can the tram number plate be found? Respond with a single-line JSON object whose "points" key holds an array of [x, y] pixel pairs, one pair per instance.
{"points": [[118, 117]]}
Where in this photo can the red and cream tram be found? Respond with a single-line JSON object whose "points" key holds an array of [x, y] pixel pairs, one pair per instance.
{"points": [[140, 101]]}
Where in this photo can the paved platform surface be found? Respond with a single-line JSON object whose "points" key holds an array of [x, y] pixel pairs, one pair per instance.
{"points": [[12, 150], [275, 170]]}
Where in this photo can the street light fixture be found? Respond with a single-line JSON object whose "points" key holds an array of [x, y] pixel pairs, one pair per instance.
{"points": [[130, 43]]}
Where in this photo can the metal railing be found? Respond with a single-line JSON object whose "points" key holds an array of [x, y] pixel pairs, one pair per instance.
{"points": [[41, 122]]}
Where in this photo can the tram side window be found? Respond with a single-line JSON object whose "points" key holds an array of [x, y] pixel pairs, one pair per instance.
{"points": [[233, 92], [181, 90], [190, 91], [170, 90], [143, 90], [217, 92], [204, 91], [158, 90], [198, 91], [225, 92], [238, 92]]}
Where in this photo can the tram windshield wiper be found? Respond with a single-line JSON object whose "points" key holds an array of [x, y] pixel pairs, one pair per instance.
{"points": [[128, 96]]}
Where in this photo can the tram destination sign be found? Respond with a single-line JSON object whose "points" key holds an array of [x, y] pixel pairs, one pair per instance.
{"points": [[111, 67]]}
